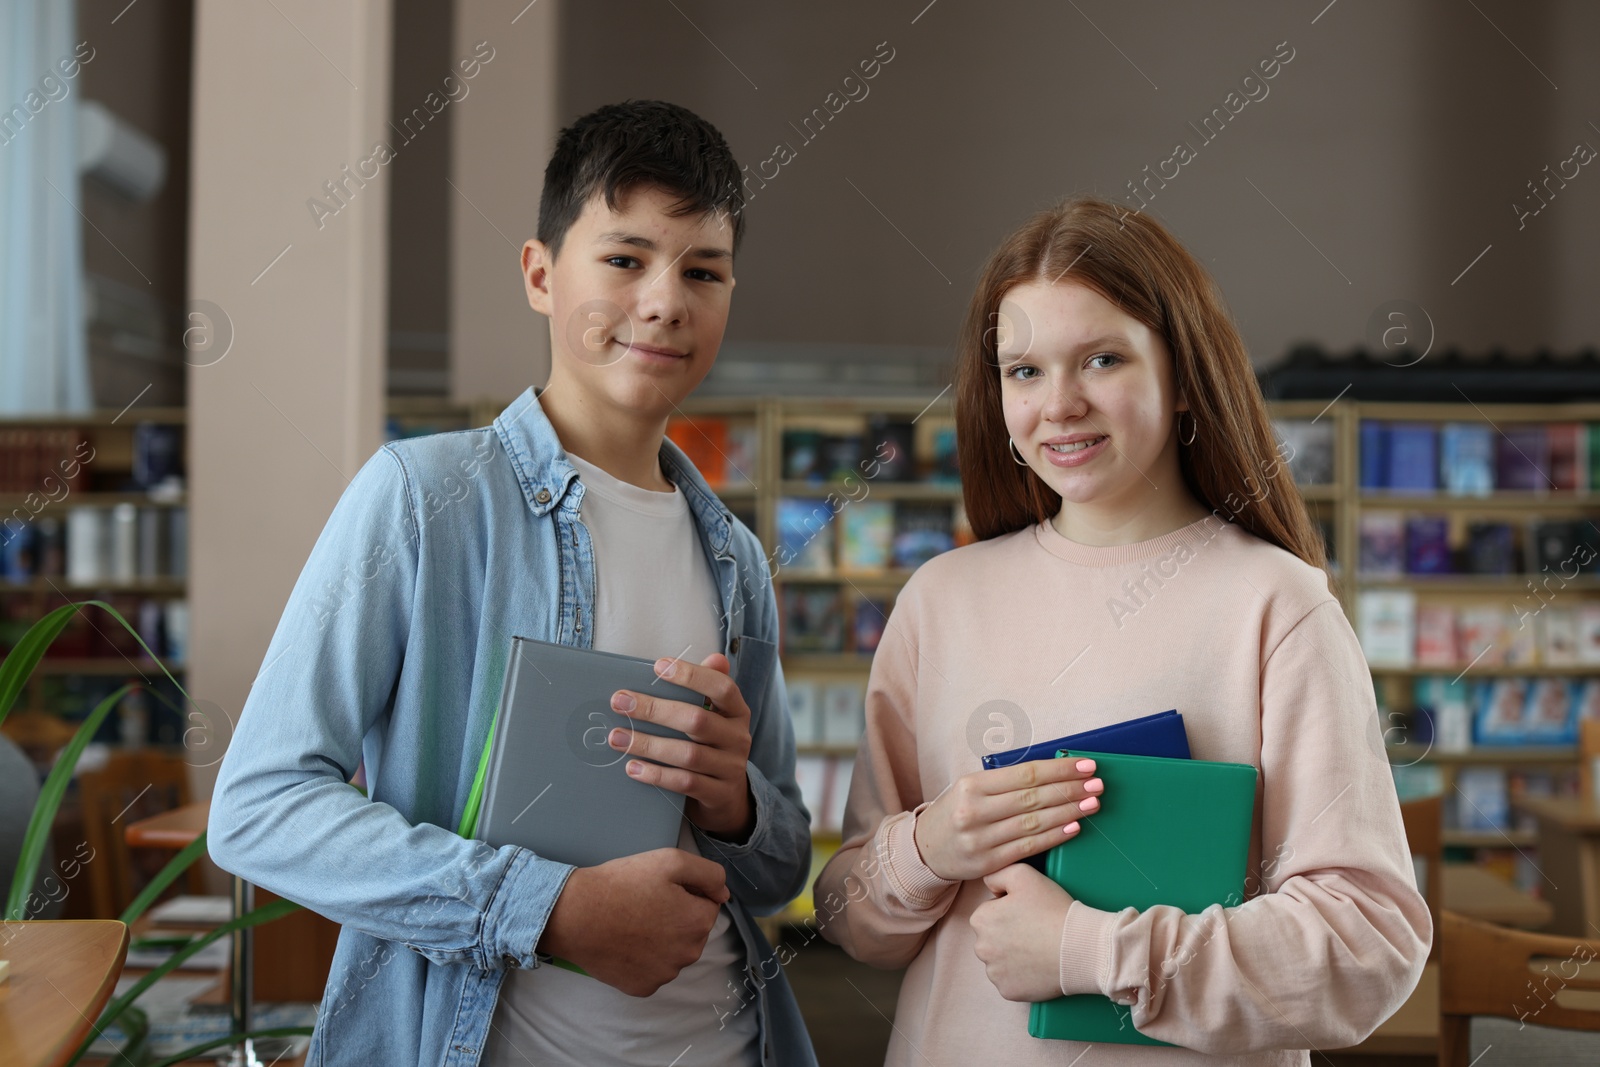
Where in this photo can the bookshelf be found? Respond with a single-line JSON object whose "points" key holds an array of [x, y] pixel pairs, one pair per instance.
{"points": [[1479, 675], [93, 506], [1327, 462]]}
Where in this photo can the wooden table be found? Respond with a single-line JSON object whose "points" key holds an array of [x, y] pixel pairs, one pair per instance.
{"points": [[1477, 893], [175, 829], [1569, 857], [62, 974]]}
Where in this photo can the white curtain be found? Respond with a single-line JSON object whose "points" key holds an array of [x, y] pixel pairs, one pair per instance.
{"points": [[43, 346]]}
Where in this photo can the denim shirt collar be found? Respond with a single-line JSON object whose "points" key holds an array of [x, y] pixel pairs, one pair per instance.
{"points": [[546, 475]]}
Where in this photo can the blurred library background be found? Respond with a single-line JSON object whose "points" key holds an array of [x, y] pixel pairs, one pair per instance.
{"points": [[231, 312]]}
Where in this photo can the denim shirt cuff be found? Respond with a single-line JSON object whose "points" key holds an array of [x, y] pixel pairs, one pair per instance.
{"points": [[763, 796], [520, 908]]}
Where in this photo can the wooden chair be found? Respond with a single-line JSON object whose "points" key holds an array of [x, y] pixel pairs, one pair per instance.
{"points": [[1588, 753], [131, 786], [1424, 823], [1540, 980]]}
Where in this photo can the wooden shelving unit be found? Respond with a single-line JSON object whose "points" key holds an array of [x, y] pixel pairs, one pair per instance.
{"points": [[1340, 503], [110, 433]]}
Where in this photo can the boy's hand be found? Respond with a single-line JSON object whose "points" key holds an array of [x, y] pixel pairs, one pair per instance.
{"points": [[987, 820], [709, 768], [1018, 934], [635, 922]]}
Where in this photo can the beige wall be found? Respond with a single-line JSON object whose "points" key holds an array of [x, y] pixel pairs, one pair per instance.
{"points": [[1395, 141], [279, 425], [501, 139]]}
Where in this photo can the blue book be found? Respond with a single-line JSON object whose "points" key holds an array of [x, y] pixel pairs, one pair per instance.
{"points": [[1161, 734], [1413, 457], [1466, 458], [1374, 453]]}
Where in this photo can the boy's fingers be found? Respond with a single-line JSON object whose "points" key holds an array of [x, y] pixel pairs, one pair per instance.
{"points": [[711, 681], [698, 721], [702, 876]]}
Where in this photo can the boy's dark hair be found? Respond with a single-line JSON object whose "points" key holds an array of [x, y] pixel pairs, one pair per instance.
{"points": [[618, 147]]}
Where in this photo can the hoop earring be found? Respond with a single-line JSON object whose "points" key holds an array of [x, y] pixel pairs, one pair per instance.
{"points": [[1016, 457], [1194, 428]]}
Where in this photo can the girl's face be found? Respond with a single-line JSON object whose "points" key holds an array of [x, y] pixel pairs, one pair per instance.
{"points": [[1089, 400]]}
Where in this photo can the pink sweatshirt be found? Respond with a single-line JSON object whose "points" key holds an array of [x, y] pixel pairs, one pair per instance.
{"points": [[1055, 636]]}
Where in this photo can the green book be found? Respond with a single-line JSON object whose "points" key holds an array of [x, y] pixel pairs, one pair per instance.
{"points": [[1169, 831]]}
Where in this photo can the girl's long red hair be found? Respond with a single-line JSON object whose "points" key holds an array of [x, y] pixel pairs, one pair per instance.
{"points": [[1234, 465]]}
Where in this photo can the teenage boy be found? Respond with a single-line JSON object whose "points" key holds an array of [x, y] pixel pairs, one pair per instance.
{"points": [[572, 519]]}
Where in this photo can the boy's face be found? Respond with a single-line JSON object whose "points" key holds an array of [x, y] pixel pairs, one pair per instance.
{"points": [[637, 300]]}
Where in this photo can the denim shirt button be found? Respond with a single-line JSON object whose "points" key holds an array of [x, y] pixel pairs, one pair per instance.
{"points": [[733, 646], [542, 496]]}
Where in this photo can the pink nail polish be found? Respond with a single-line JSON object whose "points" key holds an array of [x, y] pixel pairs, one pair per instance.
{"points": [[1070, 828], [1086, 765]]}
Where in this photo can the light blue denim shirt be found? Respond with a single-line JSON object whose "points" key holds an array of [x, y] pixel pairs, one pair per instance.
{"points": [[392, 649]]}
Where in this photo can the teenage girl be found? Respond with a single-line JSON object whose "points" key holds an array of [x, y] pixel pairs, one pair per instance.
{"points": [[1141, 546]]}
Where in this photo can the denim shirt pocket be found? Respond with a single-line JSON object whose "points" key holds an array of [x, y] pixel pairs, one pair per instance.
{"points": [[752, 669]]}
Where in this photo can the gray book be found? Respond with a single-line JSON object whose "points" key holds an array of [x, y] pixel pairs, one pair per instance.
{"points": [[554, 784]]}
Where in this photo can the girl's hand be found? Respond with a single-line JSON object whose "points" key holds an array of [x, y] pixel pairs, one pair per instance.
{"points": [[991, 819], [1018, 934]]}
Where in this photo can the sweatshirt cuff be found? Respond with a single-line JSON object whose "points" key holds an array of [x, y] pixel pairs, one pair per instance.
{"points": [[910, 878], [1086, 949]]}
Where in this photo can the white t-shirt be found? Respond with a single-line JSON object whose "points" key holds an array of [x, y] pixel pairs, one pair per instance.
{"points": [[655, 596]]}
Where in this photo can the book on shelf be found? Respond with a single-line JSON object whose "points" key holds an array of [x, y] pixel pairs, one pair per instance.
{"points": [[945, 464], [871, 618], [811, 775], [90, 544], [1482, 801], [1589, 633], [1491, 548], [1522, 458], [838, 793], [824, 783], [1557, 629], [805, 535], [51, 462], [843, 714], [1538, 711], [813, 618], [892, 447], [922, 530], [1483, 634], [1382, 544], [723, 450], [1413, 458], [1445, 704], [1437, 644], [1373, 454], [1310, 446], [1427, 545], [1386, 625], [866, 537], [1466, 458], [1563, 548], [1568, 451], [804, 711]]}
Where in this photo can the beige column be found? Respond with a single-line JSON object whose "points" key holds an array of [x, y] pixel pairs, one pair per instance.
{"points": [[288, 273], [500, 141]]}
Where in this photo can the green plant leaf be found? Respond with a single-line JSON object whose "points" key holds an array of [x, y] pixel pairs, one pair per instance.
{"points": [[168, 873], [44, 811], [232, 1039], [264, 914], [25, 656], [136, 1026], [15, 670]]}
